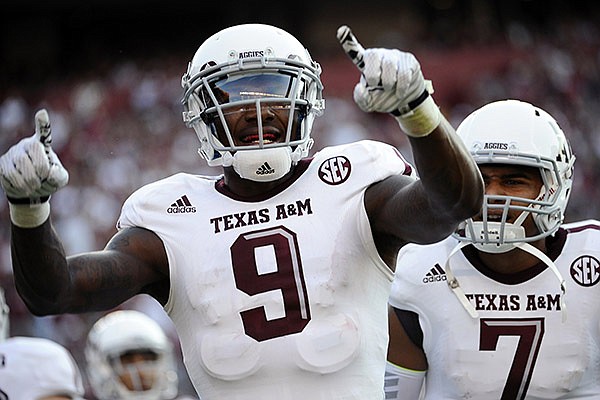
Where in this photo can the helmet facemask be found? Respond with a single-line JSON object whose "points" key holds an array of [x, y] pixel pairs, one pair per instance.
{"points": [[140, 378], [493, 139], [512, 132], [288, 85], [130, 334], [547, 209]]}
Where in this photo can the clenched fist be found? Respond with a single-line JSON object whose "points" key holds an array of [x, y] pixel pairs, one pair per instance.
{"points": [[392, 82], [30, 171]]}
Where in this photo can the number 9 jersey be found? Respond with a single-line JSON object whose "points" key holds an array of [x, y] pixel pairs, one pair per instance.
{"points": [[282, 297]]}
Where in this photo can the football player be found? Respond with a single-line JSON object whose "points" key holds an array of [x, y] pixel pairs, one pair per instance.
{"points": [[129, 357], [38, 369], [505, 307], [276, 273]]}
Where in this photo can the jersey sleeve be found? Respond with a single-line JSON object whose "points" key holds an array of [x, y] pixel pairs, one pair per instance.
{"points": [[386, 159], [131, 210], [405, 285], [145, 207]]}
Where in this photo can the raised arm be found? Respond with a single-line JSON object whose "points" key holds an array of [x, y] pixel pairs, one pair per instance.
{"points": [[48, 281], [450, 188]]}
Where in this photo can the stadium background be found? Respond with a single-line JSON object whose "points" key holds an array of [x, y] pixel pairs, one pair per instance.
{"points": [[109, 71]]}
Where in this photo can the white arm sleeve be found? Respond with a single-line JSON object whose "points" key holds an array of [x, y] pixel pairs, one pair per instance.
{"points": [[402, 384]]}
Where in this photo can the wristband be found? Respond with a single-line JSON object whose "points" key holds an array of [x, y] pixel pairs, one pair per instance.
{"points": [[26, 200], [403, 383], [422, 120], [29, 215]]}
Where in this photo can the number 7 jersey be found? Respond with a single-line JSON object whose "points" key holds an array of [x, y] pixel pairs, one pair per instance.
{"points": [[282, 297], [518, 347]]}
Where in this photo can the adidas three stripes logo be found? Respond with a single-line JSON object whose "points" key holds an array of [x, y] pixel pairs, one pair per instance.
{"points": [[265, 169], [435, 274], [181, 206]]}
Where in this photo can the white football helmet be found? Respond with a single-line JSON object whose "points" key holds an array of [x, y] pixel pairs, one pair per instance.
{"points": [[252, 67], [38, 368], [518, 133], [4, 317], [129, 331]]}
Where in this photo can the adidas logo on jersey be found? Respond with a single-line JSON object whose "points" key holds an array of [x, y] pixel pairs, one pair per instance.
{"points": [[435, 274], [181, 206], [265, 169]]}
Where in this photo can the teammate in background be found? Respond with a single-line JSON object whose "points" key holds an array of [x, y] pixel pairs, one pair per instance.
{"points": [[35, 368], [128, 356], [38, 369], [483, 314], [276, 273]]}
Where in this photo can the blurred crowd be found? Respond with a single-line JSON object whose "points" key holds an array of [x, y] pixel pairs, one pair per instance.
{"points": [[120, 129]]}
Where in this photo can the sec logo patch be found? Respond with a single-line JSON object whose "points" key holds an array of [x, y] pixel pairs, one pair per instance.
{"points": [[335, 170], [585, 270]]}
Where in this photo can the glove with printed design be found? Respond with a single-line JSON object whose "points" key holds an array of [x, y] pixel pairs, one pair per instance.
{"points": [[392, 82], [30, 172]]}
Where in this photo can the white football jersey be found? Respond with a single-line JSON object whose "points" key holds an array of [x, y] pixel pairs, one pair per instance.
{"points": [[518, 347], [33, 368], [282, 297]]}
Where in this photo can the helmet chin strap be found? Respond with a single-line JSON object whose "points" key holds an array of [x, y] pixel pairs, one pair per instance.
{"points": [[546, 260], [260, 165], [497, 234], [454, 285]]}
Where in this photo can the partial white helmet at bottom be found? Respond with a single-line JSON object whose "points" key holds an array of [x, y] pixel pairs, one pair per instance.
{"points": [[518, 133], [38, 368], [125, 332]]}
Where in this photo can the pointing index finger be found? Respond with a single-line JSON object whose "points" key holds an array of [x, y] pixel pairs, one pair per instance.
{"points": [[351, 46], [42, 127]]}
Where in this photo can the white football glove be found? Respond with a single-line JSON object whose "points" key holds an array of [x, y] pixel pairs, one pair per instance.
{"points": [[30, 172], [392, 82], [31, 169]]}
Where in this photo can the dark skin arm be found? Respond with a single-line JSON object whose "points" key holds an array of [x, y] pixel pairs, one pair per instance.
{"points": [[449, 191], [401, 350], [133, 262]]}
